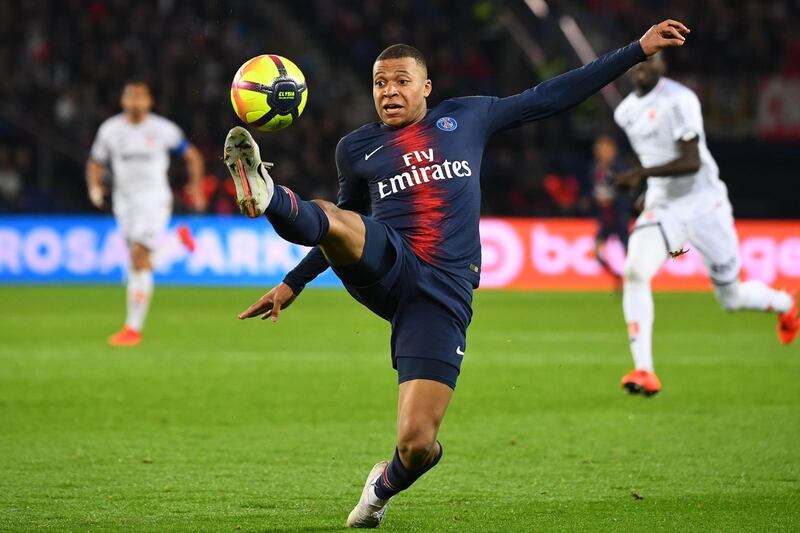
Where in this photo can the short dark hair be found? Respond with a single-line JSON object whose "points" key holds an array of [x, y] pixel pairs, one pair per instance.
{"points": [[398, 51], [136, 82]]}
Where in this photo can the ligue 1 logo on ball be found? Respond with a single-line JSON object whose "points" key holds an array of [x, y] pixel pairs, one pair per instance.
{"points": [[446, 124]]}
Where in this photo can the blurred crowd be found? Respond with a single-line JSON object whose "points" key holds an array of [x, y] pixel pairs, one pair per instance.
{"points": [[729, 38], [63, 70]]}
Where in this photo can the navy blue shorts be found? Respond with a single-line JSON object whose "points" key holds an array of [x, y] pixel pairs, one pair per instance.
{"points": [[428, 308]]}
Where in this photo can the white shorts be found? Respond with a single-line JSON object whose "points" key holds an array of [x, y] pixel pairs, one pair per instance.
{"points": [[704, 220], [143, 222]]}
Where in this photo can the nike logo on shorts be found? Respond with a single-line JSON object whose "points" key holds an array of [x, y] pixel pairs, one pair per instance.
{"points": [[367, 156], [459, 351]]}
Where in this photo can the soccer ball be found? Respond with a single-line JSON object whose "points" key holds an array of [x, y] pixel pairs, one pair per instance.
{"points": [[269, 92]]}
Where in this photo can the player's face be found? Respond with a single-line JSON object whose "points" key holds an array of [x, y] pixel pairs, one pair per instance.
{"points": [[136, 100], [646, 74], [399, 89], [605, 150]]}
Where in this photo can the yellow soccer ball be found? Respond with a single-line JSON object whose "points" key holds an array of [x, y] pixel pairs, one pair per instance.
{"points": [[269, 92]]}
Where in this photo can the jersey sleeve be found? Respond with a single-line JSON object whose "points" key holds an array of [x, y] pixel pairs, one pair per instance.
{"points": [[557, 94], [353, 196], [174, 138], [353, 190], [101, 150], [311, 266], [685, 117]]}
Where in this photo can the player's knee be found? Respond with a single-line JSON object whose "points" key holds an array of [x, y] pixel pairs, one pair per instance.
{"points": [[344, 240], [647, 251], [335, 219], [329, 208], [634, 273], [140, 258], [415, 445], [340, 220]]}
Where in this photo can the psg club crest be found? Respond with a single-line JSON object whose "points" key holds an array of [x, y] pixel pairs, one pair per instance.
{"points": [[446, 124]]}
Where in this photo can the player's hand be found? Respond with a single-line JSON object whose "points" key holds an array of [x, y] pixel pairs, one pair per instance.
{"points": [[270, 305], [97, 197], [660, 36], [629, 179], [196, 197], [638, 204]]}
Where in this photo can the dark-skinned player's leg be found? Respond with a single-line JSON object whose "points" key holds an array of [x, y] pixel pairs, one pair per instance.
{"points": [[342, 236], [421, 406]]}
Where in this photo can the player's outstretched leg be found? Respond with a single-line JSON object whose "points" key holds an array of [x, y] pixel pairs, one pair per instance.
{"points": [[714, 234], [420, 409], [646, 253], [340, 233], [293, 218], [254, 187], [757, 296], [599, 254]]}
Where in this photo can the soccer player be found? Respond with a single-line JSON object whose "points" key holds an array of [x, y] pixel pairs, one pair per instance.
{"points": [[136, 144], [416, 259], [613, 206], [685, 201]]}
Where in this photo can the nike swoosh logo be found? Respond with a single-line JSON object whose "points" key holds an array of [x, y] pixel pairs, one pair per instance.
{"points": [[459, 351], [367, 156]]}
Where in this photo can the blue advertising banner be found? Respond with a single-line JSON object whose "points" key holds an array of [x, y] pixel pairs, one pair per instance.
{"points": [[90, 249]]}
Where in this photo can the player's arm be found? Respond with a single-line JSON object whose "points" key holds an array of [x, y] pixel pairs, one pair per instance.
{"points": [[685, 119], [195, 170], [94, 183], [686, 164], [353, 196], [95, 167], [571, 88]]}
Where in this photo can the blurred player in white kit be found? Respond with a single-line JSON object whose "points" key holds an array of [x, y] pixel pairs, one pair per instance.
{"points": [[685, 201], [136, 145]]}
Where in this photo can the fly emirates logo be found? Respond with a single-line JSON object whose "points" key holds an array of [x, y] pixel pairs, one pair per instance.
{"points": [[422, 169]]}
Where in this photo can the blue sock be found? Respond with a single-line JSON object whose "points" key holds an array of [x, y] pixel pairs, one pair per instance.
{"points": [[397, 477], [295, 219]]}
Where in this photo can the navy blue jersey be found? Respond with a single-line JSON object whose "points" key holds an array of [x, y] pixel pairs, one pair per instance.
{"points": [[423, 180]]}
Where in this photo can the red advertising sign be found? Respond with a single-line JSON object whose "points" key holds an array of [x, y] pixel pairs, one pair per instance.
{"points": [[558, 254]]}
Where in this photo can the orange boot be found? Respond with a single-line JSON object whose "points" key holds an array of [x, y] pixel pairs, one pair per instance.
{"points": [[641, 382], [125, 337], [186, 238]]}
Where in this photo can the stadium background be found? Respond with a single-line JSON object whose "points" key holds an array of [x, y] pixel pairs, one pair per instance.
{"points": [[64, 68]]}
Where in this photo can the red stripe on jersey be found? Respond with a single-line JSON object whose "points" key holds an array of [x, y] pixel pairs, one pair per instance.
{"points": [[426, 200], [427, 210]]}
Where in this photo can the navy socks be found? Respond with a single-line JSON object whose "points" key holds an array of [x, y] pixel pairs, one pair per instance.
{"points": [[295, 219], [397, 477]]}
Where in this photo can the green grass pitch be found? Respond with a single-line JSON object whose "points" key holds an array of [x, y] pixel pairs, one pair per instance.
{"points": [[219, 425]]}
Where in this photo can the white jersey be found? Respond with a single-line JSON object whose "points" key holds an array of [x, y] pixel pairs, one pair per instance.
{"points": [[655, 123], [139, 156]]}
